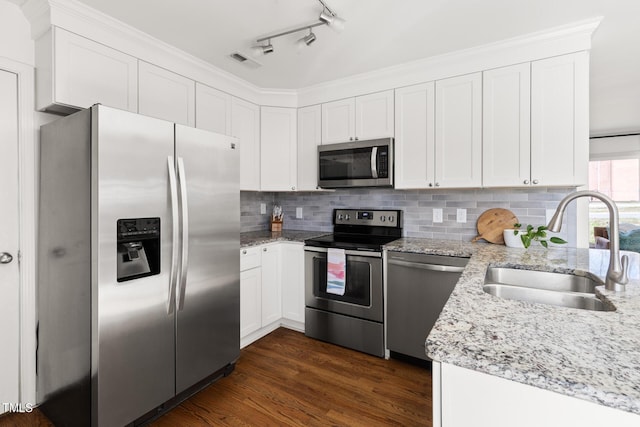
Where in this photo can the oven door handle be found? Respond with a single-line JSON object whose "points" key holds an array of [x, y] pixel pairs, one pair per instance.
{"points": [[432, 267], [374, 162], [371, 254]]}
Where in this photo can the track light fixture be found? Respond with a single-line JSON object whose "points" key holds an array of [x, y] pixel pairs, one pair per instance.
{"points": [[327, 17]]}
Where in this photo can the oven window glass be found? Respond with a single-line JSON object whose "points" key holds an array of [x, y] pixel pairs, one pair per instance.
{"points": [[357, 285], [346, 164]]}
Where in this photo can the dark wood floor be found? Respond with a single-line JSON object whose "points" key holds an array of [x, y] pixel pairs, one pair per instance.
{"points": [[287, 379]]}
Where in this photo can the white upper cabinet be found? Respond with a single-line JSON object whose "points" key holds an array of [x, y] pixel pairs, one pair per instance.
{"points": [[415, 136], [245, 125], [278, 149], [506, 140], [166, 95], [363, 117], [560, 120], [458, 141], [338, 121], [75, 72], [309, 135], [374, 115], [213, 110]]}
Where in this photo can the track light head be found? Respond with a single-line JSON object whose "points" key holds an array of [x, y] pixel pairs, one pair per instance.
{"points": [[332, 20], [264, 49], [309, 38]]}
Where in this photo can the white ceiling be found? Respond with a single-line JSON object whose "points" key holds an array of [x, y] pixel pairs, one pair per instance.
{"points": [[381, 33]]}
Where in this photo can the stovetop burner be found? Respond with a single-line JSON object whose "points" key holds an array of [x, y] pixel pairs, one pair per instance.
{"points": [[361, 229]]}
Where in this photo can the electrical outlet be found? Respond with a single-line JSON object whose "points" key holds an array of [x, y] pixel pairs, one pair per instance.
{"points": [[263, 208], [299, 213], [437, 215], [461, 215]]}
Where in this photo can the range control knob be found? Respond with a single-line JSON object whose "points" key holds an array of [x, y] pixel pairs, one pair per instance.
{"points": [[391, 218], [340, 216], [383, 218], [347, 217]]}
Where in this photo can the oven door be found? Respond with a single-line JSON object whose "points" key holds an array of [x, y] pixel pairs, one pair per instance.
{"points": [[363, 287]]}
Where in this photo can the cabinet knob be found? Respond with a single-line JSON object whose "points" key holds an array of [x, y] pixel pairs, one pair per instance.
{"points": [[526, 181], [293, 188], [437, 184], [244, 251], [264, 249], [356, 138], [535, 181], [430, 185], [350, 138]]}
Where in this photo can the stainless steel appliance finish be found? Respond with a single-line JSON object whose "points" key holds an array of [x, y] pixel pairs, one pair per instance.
{"points": [[355, 319], [115, 344], [356, 164], [418, 287]]}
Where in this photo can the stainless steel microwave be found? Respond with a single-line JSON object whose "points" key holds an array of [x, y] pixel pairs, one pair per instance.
{"points": [[356, 164]]}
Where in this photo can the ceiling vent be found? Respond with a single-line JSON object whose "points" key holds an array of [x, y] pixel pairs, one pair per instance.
{"points": [[245, 60]]}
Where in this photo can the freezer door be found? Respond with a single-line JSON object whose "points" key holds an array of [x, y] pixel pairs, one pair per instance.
{"points": [[208, 295], [133, 327]]}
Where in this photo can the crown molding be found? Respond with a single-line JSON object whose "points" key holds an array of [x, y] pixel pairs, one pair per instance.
{"points": [[87, 22], [573, 37]]}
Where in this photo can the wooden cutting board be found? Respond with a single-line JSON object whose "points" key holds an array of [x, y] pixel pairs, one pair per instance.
{"points": [[492, 223]]}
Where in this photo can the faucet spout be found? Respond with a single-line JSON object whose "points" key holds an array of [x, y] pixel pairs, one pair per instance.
{"points": [[617, 276]]}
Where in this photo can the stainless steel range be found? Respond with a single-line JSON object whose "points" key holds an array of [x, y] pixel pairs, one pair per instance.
{"points": [[351, 313]]}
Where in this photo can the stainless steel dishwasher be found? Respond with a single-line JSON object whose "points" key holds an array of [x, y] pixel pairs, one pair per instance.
{"points": [[418, 286]]}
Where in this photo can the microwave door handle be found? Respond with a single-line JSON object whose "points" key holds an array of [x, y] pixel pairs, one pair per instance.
{"points": [[374, 162]]}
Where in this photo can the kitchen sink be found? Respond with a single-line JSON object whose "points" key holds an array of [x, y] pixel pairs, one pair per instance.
{"points": [[543, 287]]}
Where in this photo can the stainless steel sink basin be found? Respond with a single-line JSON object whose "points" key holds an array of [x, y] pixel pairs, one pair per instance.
{"points": [[564, 290]]}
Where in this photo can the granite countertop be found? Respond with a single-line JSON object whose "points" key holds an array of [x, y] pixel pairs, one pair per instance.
{"points": [[255, 238], [587, 354]]}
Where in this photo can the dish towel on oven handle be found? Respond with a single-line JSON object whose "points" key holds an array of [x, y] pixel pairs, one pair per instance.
{"points": [[336, 271]]}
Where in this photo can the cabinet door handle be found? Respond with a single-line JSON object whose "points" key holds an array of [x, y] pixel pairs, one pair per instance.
{"points": [[244, 251], [264, 249], [526, 181], [535, 181]]}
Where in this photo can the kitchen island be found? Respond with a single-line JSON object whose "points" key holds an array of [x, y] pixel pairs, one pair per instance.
{"points": [[594, 356]]}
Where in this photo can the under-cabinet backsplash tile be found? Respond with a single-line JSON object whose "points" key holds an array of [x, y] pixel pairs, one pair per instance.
{"points": [[529, 205]]}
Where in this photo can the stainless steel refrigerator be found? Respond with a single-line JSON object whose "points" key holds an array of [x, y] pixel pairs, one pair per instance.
{"points": [[138, 287]]}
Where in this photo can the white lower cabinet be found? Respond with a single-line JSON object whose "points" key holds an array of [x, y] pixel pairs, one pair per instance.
{"points": [[462, 398], [271, 289], [271, 298], [292, 280]]}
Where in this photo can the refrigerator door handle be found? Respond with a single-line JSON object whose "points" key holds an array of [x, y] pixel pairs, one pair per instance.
{"points": [[173, 274], [184, 266]]}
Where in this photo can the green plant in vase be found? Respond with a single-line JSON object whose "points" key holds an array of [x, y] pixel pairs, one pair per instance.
{"points": [[538, 234]]}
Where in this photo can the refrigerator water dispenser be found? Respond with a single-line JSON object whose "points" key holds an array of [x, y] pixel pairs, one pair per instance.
{"points": [[138, 248]]}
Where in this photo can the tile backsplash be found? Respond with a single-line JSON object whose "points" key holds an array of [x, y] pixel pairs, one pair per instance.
{"points": [[529, 205]]}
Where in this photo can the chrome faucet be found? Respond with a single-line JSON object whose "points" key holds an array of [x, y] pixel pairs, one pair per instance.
{"points": [[616, 274]]}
